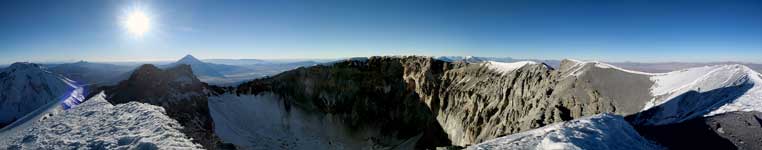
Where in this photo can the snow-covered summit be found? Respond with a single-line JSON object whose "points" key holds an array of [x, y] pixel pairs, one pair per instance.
{"points": [[577, 67], [602, 132], [25, 87], [505, 68], [97, 124], [703, 91]]}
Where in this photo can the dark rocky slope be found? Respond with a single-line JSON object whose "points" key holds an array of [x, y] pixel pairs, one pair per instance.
{"points": [[733, 130], [175, 89]]}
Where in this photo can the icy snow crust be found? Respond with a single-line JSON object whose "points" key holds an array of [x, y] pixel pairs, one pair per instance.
{"points": [[505, 68], [600, 132], [97, 124]]}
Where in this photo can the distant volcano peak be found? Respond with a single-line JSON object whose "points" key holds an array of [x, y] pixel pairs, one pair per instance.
{"points": [[189, 59]]}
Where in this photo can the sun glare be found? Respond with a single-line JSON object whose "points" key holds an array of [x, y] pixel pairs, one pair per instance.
{"points": [[137, 23]]}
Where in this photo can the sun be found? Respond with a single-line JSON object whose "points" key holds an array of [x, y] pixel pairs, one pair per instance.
{"points": [[137, 23]]}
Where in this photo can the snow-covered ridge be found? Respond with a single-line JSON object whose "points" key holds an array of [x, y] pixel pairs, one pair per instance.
{"points": [[748, 85], [97, 124], [702, 79], [505, 68], [603, 131], [576, 68], [690, 93]]}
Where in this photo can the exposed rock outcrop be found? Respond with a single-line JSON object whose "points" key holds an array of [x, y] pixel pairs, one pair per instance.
{"points": [[733, 130], [175, 89], [366, 95]]}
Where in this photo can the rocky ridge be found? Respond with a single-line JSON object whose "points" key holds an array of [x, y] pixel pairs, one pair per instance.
{"points": [[178, 91]]}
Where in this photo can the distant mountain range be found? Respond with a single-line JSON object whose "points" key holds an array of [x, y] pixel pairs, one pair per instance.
{"points": [[92, 73], [203, 69]]}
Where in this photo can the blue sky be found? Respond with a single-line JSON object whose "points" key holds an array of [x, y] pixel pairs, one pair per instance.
{"points": [[638, 30]]}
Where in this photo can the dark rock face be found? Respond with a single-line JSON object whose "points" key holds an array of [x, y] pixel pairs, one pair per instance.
{"points": [[175, 89], [470, 102], [733, 130], [474, 103], [365, 94]]}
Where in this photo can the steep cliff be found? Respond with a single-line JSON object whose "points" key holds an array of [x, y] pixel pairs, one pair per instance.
{"points": [[368, 97], [477, 102]]}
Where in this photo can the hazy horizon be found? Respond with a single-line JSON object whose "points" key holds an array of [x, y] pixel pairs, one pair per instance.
{"points": [[611, 31], [170, 60]]}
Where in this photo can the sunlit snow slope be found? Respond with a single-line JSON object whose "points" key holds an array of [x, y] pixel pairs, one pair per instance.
{"points": [[600, 132], [97, 124], [26, 87], [703, 91], [689, 93]]}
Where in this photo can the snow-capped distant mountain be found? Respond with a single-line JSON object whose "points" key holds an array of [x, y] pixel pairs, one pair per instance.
{"points": [[25, 87], [97, 124], [599, 132]]}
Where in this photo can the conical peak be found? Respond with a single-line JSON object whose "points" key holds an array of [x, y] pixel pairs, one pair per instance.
{"points": [[189, 59]]}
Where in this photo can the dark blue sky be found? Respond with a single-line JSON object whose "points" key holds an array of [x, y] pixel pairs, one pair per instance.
{"points": [[648, 31]]}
